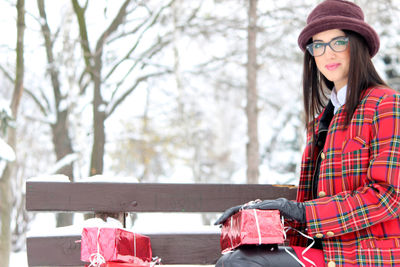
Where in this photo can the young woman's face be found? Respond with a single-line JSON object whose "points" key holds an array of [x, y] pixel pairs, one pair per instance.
{"points": [[333, 65]]}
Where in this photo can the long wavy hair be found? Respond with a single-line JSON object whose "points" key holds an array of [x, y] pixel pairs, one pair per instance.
{"points": [[316, 88]]}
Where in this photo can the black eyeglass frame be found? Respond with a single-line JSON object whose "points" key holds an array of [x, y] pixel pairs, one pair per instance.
{"points": [[309, 47]]}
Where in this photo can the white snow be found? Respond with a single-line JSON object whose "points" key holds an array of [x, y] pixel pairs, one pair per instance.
{"points": [[102, 108], [6, 152], [75, 229], [146, 224], [18, 259], [66, 160], [63, 105], [5, 107], [108, 179], [50, 178], [60, 178], [267, 176]]}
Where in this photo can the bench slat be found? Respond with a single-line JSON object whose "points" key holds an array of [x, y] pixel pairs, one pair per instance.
{"points": [[146, 197], [171, 248]]}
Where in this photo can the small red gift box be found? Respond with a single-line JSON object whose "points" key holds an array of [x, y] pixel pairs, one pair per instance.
{"points": [[114, 244], [250, 226]]}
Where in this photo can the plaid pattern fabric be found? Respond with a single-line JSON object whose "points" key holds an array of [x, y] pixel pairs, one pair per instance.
{"points": [[360, 178]]}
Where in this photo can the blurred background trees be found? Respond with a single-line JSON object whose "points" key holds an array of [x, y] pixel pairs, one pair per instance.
{"points": [[157, 90]]}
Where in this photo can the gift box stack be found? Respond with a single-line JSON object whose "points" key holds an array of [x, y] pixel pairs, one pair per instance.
{"points": [[113, 247], [251, 226]]}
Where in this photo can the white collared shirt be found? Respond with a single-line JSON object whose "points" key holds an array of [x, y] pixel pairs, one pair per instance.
{"points": [[338, 99]]}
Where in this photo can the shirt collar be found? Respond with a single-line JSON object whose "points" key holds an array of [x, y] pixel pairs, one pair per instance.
{"points": [[339, 99]]}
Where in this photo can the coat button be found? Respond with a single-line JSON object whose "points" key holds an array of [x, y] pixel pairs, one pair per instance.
{"points": [[319, 236], [322, 194], [330, 234], [331, 264], [323, 155]]}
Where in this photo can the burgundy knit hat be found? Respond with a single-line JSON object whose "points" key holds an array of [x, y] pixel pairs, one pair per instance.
{"points": [[339, 14]]}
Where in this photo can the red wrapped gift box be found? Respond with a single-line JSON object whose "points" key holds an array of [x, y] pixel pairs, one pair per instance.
{"points": [[252, 226], [114, 244], [136, 263]]}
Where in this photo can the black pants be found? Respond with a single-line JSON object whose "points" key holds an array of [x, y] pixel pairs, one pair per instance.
{"points": [[257, 256]]}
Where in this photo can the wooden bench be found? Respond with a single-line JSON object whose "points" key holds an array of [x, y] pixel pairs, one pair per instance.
{"points": [[121, 198]]}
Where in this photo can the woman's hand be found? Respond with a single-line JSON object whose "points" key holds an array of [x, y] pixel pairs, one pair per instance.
{"points": [[289, 209]]}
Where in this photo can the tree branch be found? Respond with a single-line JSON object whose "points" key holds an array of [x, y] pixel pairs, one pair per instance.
{"points": [[152, 50], [37, 101], [124, 34], [112, 27], [154, 20], [7, 74], [87, 55], [49, 52], [130, 90]]}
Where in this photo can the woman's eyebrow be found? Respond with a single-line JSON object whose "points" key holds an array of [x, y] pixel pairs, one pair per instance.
{"points": [[330, 39]]}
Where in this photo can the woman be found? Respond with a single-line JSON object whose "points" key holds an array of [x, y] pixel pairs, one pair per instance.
{"points": [[349, 189]]}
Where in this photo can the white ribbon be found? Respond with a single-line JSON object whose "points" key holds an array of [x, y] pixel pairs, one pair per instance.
{"points": [[96, 259], [258, 227], [134, 243], [156, 261], [230, 236], [304, 251]]}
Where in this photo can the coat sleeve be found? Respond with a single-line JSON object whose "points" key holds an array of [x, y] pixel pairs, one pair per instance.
{"points": [[379, 199]]}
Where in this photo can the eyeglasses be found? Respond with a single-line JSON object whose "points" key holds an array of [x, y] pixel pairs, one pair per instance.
{"points": [[338, 44]]}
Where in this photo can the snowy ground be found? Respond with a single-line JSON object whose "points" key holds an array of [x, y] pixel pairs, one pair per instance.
{"points": [[18, 259]]}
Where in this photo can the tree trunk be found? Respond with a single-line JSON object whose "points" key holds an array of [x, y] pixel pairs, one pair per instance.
{"points": [[253, 157], [61, 140], [63, 147], [6, 196], [99, 136], [95, 69], [6, 210]]}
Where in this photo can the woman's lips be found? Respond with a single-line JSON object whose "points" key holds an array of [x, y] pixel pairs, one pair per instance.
{"points": [[332, 66]]}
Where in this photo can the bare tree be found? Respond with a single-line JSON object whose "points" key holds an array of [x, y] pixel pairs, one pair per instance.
{"points": [[62, 142], [276, 47], [94, 66], [253, 158], [6, 197]]}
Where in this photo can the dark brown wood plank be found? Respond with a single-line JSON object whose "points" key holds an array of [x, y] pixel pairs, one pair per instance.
{"points": [[187, 248], [54, 251], [171, 248], [146, 197]]}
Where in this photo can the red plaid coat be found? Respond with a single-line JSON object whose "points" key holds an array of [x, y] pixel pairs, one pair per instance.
{"points": [[357, 211]]}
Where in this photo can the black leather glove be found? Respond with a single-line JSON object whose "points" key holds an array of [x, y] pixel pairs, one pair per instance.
{"points": [[289, 209], [228, 213]]}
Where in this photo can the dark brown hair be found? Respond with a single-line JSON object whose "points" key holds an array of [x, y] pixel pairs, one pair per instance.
{"points": [[316, 88]]}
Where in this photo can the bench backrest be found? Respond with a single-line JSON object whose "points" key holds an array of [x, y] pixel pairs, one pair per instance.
{"points": [[121, 198]]}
